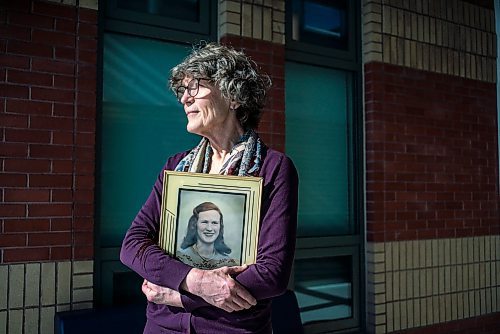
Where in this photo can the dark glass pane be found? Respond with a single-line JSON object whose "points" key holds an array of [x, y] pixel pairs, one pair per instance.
{"points": [[324, 288], [317, 109], [187, 10], [321, 22], [127, 289], [142, 124]]}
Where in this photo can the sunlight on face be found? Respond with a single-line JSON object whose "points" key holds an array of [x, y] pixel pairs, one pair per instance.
{"points": [[207, 111]]}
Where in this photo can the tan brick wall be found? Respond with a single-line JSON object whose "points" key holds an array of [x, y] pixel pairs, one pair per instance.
{"points": [[451, 37], [31, 293], [261, 20], [419, 283]]}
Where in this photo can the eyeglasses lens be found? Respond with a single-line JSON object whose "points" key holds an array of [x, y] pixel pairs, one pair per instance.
{"points": [[192, 89]]}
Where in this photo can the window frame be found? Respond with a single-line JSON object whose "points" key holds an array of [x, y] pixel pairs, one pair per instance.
{"points": [[350, 244], [313, 249], [312, 50], [107, 259], [162, 28], [497, 29]]}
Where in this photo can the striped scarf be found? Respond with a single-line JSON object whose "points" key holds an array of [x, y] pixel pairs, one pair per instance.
{"points": [[243, 160]]}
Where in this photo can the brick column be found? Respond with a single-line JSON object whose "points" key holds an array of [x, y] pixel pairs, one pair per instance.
{"points": [[47, 157]]}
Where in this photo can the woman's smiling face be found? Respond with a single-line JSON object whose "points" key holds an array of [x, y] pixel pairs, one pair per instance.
{"points": [[208, 226], [207, 110]]}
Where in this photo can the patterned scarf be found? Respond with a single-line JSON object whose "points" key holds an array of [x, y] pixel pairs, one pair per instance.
{"points": [[243, 160]]}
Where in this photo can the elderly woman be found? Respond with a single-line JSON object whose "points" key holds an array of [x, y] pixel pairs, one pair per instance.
{"points": [[222, 94], [203, 246]]}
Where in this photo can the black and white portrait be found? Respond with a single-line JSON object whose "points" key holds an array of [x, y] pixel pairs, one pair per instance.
{"points": [[210, 228]]}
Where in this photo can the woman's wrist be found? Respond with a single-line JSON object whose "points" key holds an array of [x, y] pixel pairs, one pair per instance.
{"points": [[192, 281], [176, 299]]}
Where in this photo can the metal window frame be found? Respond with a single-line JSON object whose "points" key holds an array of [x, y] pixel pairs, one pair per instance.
{"points": [[162, 28], [115, 22], [317, 50], [354, 244], [497, 29], [313, 250], [110, 264]]}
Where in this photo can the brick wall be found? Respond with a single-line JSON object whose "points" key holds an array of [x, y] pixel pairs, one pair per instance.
{"points": [[47, 111], [432, 203], [432, 164], [451, 37], [487, 324]]}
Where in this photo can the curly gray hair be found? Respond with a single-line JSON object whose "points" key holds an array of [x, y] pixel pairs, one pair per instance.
{"points": [[233, 73]]}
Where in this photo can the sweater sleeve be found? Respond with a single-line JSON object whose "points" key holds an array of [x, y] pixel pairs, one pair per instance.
{"points": [[269, 276], [140, 253]]}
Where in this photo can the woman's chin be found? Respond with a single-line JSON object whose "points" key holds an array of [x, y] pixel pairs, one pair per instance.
{"points": [[194, 129]]}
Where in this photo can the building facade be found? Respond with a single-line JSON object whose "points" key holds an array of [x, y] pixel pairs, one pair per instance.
{"points": [[432, 166], [399, 225]]}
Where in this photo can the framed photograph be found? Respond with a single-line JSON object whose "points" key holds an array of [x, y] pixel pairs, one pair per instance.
{"points": [[209, 221]]}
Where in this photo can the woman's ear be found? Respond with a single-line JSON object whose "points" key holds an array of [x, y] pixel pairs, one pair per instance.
{"points": [[234, 105]]}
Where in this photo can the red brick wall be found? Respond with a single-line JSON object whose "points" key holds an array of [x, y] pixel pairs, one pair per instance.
{"points": [[431, 155], [47, 116], [271, 59], [486, 324]]}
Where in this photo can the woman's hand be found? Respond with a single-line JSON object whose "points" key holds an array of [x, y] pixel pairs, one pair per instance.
{"points": [[218, 288], [161, 295]]}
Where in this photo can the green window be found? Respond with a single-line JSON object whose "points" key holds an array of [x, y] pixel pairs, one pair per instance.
{"points": [[142, 125], [317, 109], [318, 113]]}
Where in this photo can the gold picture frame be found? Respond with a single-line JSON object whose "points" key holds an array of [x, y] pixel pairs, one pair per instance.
{"points": [[239, 202]]}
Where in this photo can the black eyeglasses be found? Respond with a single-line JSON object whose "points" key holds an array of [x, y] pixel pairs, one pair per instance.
{"points": [[192, 88]]}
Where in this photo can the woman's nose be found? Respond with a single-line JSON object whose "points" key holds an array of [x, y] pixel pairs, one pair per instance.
{"points": [[185, 97]]}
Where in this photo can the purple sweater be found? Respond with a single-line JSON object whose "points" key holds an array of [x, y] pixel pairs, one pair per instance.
{"points": [[266, 279]]}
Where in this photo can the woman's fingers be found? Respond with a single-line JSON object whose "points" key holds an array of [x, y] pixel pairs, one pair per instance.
{"points": [[240, 303], [218, 288], [231, 304], [161, 295], [244, 295], [239, 293], [148, 289], [234, 269], [234, 295], [149, 293], [154, 287]]}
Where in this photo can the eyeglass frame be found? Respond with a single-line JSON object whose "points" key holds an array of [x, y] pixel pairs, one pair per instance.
{"points": [[186, 88]]}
